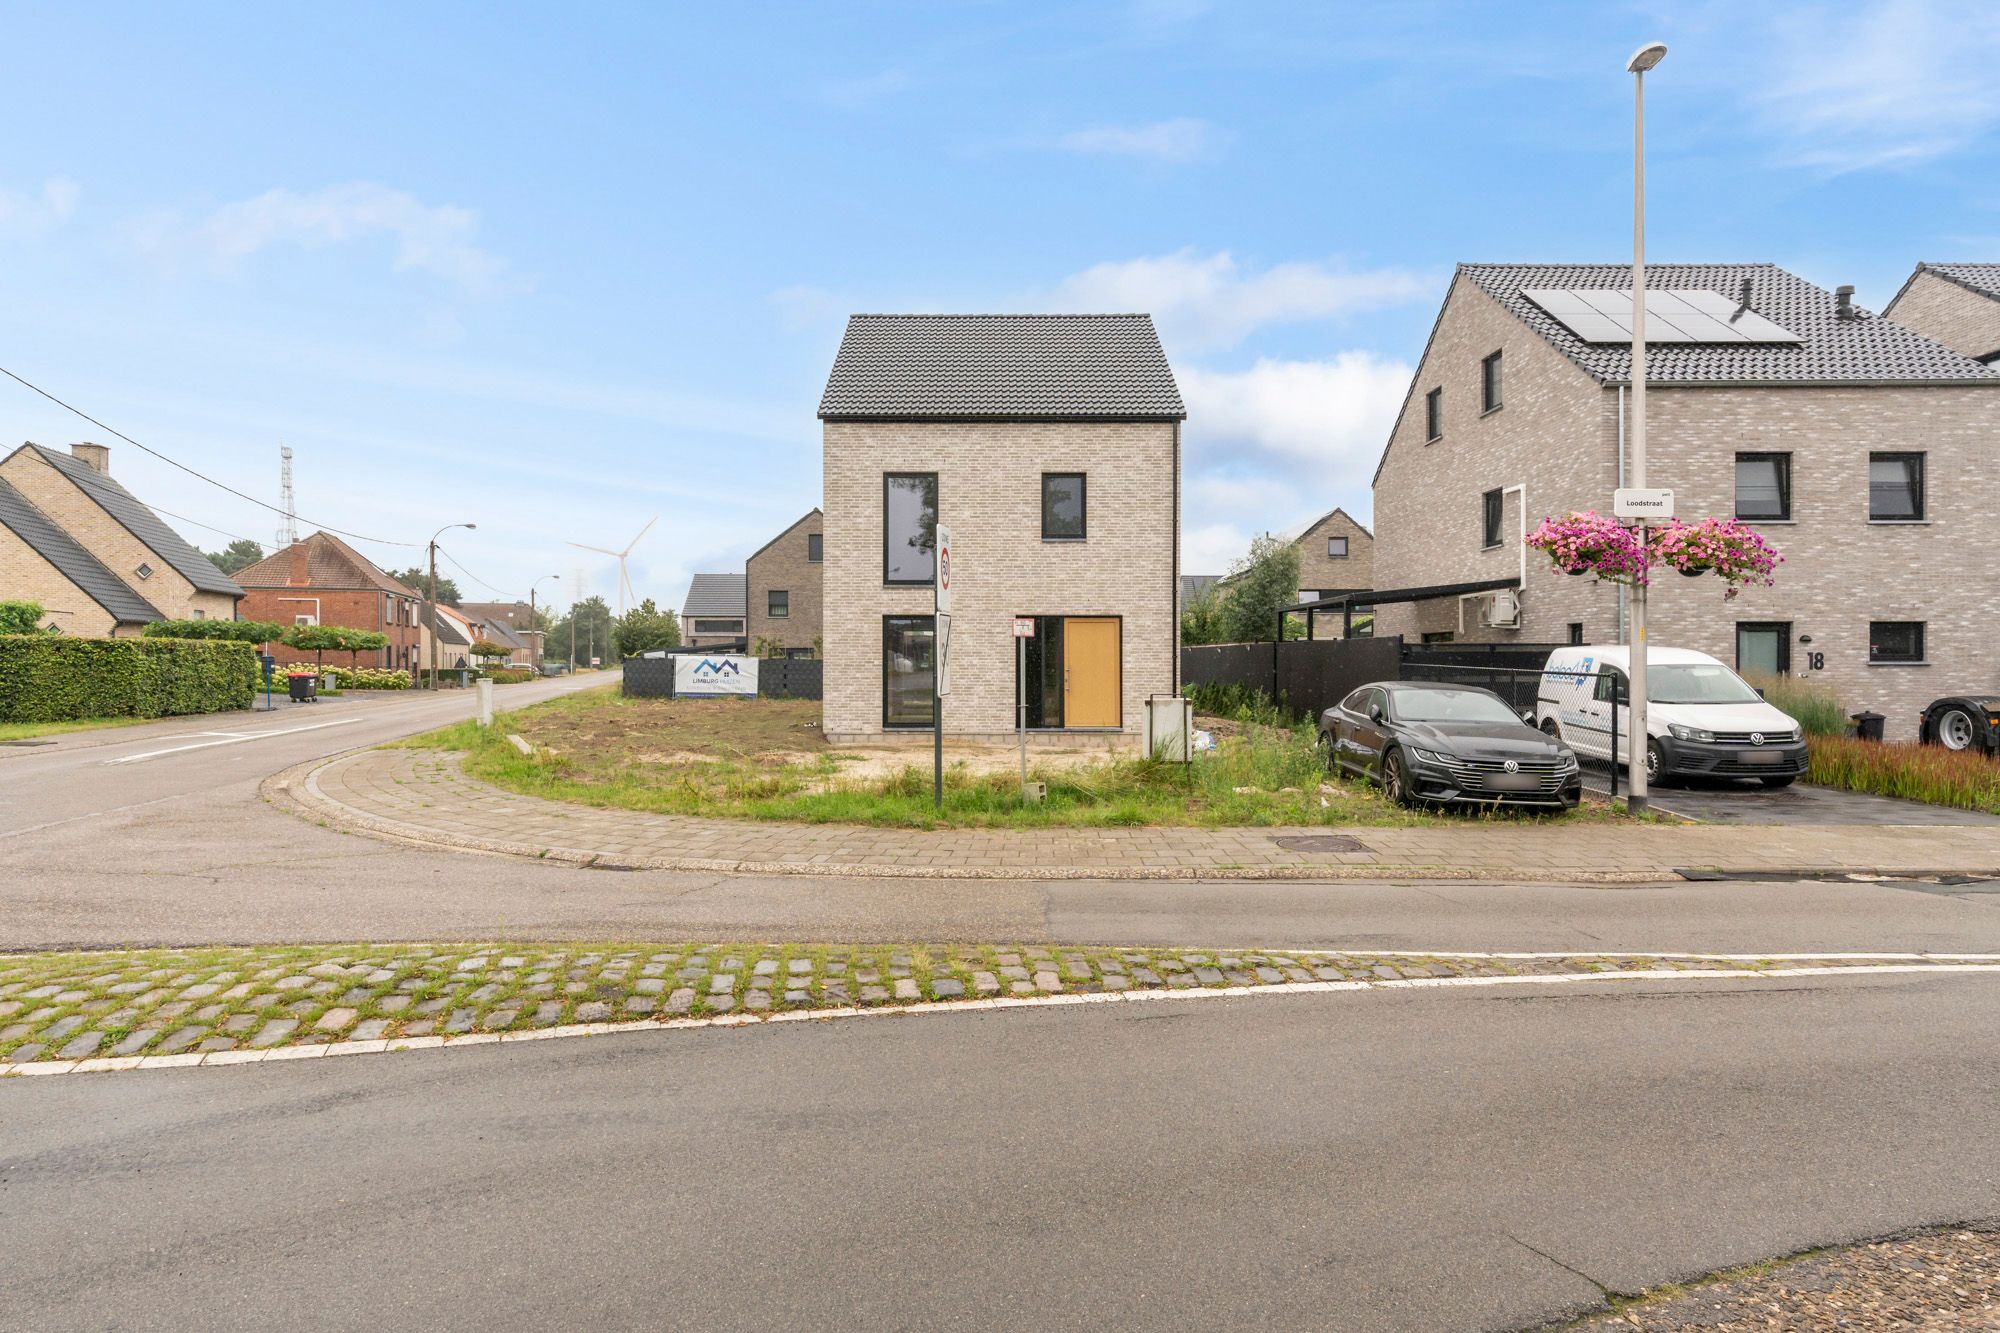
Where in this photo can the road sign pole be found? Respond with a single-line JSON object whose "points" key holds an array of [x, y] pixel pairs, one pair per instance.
{"points": [[941, 589]]}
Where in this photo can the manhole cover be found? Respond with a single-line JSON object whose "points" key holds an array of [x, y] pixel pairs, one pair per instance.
{"points": [[1320, 842]]}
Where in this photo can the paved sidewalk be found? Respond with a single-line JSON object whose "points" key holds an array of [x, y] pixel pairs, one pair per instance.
{"points": [[422, 797]]}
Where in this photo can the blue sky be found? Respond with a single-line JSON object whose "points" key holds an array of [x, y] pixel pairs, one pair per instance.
{"points": [[558, 270]]}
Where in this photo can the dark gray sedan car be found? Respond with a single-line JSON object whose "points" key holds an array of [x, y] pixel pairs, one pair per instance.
{"points": [[1429, 742]]}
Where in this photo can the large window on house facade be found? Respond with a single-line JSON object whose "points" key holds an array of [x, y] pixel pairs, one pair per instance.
{"points": [[1489, 383], [815, 548], [1490, 509], [907, 657], [1895, 487], [909, 527], [1896, 641], [1336, 548], [1763, 648], [718, 627], [1063, 513], [1764, 486], [778, 603], [1434, 414]]}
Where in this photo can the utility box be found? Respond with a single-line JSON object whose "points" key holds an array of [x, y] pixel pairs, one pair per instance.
{"points": [[1169, 727]]}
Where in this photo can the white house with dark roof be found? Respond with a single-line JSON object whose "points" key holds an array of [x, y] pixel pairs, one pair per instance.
{"points": [[712, 616], [1858, 447], [1955, 304], [1049, 445]]}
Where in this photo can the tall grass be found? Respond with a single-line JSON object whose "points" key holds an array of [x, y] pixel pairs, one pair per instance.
{"points": [[1960, 779], [1818, 711], [1237, 702]]}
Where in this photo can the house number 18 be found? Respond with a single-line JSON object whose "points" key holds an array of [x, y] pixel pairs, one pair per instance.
{"points": [[1815, 661]]}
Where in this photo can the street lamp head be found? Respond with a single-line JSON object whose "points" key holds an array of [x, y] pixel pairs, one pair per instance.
{"points": [[1646, 57], [474, 525]]}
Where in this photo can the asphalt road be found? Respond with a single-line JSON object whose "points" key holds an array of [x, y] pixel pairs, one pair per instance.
{"points": [[1433, 1160]]}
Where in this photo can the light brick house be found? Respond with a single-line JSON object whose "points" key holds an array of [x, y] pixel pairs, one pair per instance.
{"points": [[785, 597], [1050, 446], [1954, 304], [321, 580], [712, 616], [41, 563], [75, 493], [1856, 446]]}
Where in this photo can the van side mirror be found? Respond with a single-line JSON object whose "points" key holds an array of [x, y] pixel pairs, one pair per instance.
{"points": [[1528, 716]]}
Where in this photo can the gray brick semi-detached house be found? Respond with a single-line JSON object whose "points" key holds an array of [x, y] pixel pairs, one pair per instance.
{"points": [[712, 615], [1050, 446], [784, 599], [1860, 448], [1955, 304]]}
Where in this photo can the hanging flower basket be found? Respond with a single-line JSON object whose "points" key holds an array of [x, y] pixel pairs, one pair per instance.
{"points": [[1719, 546], [1586, 543]]}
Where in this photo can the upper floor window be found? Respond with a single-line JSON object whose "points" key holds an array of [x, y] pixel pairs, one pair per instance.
{"points": [[1336, 548], [815, 548], [1489, 383], [778, 603], [1764, 486], [1895, 487], [1896, 641], [909, 527], [1490, 506], [1063, 506], [144, 571], [1434, 414]]}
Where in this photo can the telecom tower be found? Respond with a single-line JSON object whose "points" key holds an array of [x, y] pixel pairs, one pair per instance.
{"points": [[289, 533]]}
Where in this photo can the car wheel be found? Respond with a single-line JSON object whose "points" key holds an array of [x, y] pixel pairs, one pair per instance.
{"points": [[1778, 780], [1396, 779], [1325, 745], [1654, 760], [1550, 729], [1955, 729]]}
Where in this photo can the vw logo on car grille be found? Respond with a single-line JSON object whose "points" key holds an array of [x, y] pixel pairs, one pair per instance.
{"points": [[1512, 766], [1756, 738]]}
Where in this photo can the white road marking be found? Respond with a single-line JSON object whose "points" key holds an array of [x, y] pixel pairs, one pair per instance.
{"points": [[379, 1046], [230, 739]]}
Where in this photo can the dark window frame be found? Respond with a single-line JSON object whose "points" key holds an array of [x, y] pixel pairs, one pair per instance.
{"points": [[1491, 398], [1917, 480], [1342, 554], [1878, 659], [695, 625], [816, 547], [771, 611], [887, 725], [1783, 458], [1575, 633], [1082, 480], [1492, 519], [937, 508], [1784, 630], [1434, 415]]}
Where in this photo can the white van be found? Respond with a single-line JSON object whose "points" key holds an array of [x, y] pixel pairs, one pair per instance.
{"points": [[1702, 719]]}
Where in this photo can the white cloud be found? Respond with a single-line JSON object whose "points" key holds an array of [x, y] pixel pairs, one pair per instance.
{"points": [[50, 206], [1902, 82], [1212, 548], [1331, 416], [1179, 140], [433, 239], [1202, 302]]}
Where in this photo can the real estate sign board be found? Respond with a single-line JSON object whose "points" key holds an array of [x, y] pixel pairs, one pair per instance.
{"points": [[714, 676]]}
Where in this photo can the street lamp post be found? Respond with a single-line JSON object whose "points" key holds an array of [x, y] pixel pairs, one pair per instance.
{"points": [[1637, 742], [434, 594], [534, 621]]}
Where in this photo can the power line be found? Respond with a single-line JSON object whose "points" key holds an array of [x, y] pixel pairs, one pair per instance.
{"points": [[328, 527], [474, 577], [210, 527]]}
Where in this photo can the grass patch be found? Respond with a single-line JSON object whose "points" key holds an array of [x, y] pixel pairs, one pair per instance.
{"points": [[1960, 779], [24, 731], [766, 759]]}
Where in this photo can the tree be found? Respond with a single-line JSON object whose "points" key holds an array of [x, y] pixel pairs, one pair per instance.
{"points": [[488, 649], [419, 580], [319, 639], [1204, 617], [591, 621], [239, 554], [1260, 583], [22, 618], [647, 629]]}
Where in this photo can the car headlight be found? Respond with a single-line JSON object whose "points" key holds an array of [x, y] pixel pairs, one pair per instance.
{"points": [[1566, 761], [1682, 733], [1430, 756]]}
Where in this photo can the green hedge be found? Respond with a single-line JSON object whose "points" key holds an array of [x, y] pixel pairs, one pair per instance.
{"points": [[370, 678], [57, 678], [502, 676], [239, 631]]}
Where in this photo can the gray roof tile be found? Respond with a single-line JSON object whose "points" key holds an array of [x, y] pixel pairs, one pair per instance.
{"points": [[77, 565], [142, 523], [1981, 278], [971, 367], [718, 595], [1832, 351]]}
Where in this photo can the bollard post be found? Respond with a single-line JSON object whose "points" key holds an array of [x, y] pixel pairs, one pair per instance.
{"points": [[485, 702]]}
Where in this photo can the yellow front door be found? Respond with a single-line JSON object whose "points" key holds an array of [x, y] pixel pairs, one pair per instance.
{"points": [[1091, 680]]}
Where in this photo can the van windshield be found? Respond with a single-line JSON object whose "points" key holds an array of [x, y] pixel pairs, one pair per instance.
{"points": [[1698, 683]]}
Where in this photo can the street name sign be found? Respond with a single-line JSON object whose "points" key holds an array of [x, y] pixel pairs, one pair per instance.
{"points": [[1024, 627], [1642, 502]]}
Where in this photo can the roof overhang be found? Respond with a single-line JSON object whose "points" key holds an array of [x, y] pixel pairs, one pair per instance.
{"points": [[1384, 597]]}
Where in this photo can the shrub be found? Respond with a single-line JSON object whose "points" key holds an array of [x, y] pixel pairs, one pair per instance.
{"points": [[1236, 701], [56, 678], [502, 676], [23, 618], [238, 631], [1818, 711], [372, 678], [1960, 779]]}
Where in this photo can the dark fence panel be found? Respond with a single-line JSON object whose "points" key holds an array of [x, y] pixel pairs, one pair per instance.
{"points": [[648, 678], [1307, 676], [1510, 670], [1245, 664], [791, 678]]}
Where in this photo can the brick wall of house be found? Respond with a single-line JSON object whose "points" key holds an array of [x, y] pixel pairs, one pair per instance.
{"points": [[1945, 312], [784, 564], [989, 495], [1841, 571], [104, 537], [1318, 570], [350, 608], [26, 577]]}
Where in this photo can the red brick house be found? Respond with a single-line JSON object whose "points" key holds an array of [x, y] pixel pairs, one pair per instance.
{"points": [[324, 581]]}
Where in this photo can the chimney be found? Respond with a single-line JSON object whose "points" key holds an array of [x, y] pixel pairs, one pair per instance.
{"points": [[96, 456], [1843, 302], [300, 573], [1743, 301]]}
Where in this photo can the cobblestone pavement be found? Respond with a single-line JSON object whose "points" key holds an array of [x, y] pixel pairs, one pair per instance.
{"points": [[422, 796], [112, 1010], [1943, 1279]]}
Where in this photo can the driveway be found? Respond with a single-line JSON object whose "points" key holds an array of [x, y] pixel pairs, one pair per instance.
{"points": [[1719, 801]]}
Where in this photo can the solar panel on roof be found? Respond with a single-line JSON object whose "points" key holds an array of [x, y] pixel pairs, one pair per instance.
{"points": [[1675, 315]]}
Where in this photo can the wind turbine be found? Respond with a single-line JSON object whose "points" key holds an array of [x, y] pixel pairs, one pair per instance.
{"points": [[625, 591]]}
